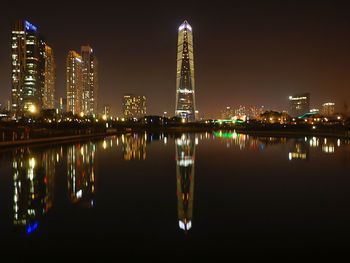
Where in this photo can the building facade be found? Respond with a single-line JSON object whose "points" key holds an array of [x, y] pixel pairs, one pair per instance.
{"points": [[299, 104], [134, 106], [185, 83], [90, 81], [328, 108], [50, 76], [27, 70], [74, 83]]}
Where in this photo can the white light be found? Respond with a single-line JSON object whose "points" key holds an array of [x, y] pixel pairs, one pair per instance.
{"points": [[181, 225], [185, 162], [185, 26], [32, 163], [79, 194]]}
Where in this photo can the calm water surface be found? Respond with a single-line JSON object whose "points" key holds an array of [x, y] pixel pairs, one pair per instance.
{"points": [[210, 193]]}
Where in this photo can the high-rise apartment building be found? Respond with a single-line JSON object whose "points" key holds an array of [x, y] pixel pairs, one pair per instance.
{"points": [[134, 106], [299, 104], [89, 80], [185, 85], [74, 83], [28, 58], [49, 85]]}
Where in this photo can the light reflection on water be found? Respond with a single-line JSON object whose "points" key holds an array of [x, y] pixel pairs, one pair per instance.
{"points": [[34, 169]]}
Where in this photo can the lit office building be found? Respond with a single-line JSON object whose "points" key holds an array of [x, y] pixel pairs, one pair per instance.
{"points": [[328, 108], [185, 85], [74, 82], [134, 106], [299, 104], [28, 58], [49, 80], [90, 81], [185, 156]]}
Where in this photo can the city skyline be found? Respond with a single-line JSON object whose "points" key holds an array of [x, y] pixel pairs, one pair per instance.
{"points": [[239, 60]]}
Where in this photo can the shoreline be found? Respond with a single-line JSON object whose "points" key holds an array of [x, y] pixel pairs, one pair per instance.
{"points": [[266, 133]]}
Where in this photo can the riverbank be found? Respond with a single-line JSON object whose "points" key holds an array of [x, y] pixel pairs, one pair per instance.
{"points": [[60, 139], [343, 134]]}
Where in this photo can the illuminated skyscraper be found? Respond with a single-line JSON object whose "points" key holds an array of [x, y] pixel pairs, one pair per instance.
{"points": [[299, 104], [185, 85], [49, 85], [27, 68], [90, 81], [74, 82], [185, 156], [134, 106]]}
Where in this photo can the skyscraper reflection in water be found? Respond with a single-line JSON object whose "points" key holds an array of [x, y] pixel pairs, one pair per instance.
{"points": [[81, 173], [185, 156], [33, 183], [134, 146]]}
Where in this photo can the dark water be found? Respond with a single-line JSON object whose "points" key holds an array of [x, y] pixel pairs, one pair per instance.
{"points": [[221, 194]]}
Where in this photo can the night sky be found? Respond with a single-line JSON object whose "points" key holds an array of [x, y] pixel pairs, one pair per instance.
{"points": [[246, 52]]}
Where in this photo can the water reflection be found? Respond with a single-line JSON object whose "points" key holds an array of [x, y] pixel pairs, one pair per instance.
{"points": [[81, 172], [33, 184], [134, 146], [34, 169], [299, 147], [299, 150], [185, 157]]}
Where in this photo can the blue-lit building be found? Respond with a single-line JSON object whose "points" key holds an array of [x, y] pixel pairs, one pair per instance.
{"points": [[28, 68]]}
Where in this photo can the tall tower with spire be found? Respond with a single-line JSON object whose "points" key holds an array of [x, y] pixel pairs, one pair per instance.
{"points": [[185, 85]]}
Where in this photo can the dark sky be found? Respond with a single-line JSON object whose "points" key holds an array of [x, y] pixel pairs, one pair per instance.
{"points": [[246, 52]]}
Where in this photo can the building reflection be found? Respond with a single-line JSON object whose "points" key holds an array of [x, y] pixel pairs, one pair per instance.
{"points": [[81, 173], [185, 157], [33, 184], [245, 141], [134, 146], [299, 150]]}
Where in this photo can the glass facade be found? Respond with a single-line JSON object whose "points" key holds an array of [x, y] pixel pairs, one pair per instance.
{"points": [[185, 85]]}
